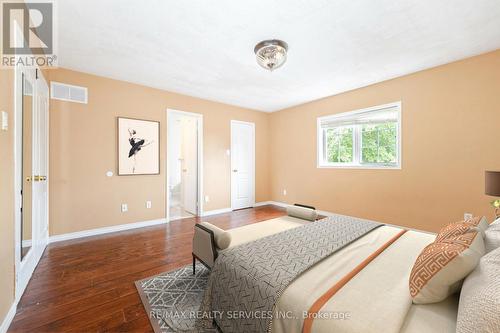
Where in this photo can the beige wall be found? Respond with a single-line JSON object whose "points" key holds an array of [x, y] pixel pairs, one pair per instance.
{"points": [[451, 130], [7, 195], [83, 148]]}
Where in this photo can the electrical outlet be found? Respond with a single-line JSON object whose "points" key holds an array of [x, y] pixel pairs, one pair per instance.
{"points": [[5, 121], [207, 198], [148, 204], [284, 192], [467, 216], [124, 208]]}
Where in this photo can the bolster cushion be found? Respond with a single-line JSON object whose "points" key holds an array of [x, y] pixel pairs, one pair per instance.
{"points": [[302, 213], [222, 237]]}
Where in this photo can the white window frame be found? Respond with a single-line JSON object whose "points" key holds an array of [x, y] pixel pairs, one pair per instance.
{"points": [[357, 144]]}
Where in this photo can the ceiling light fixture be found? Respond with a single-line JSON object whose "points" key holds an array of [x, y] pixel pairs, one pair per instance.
{"points": [[271, 54]]}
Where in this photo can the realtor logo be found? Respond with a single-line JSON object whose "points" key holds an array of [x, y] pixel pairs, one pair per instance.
{"points": [[28, 34]]}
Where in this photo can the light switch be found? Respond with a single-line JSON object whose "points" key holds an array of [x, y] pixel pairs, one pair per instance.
{"points": [[5, 121], [148, 204], [124, 208]]}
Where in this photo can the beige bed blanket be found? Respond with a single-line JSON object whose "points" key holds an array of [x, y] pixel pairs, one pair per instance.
{"points": [[375, 300]]}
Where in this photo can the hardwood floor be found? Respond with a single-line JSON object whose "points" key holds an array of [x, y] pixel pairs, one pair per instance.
{"points": [[87, 285]]}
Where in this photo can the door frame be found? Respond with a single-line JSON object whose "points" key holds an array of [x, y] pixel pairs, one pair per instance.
{"points": [[25, 267], [199, 117], [253, 159]]}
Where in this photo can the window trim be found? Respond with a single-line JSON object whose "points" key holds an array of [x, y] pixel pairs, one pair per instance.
{"points": [[357, 141]]}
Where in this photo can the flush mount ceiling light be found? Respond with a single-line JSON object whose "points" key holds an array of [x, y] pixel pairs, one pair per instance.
{"points": [[271, 54]]}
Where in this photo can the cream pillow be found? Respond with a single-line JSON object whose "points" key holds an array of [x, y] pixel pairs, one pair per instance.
{"points": [[480, 222], [441, 266], [479, 306], [222, 237]]}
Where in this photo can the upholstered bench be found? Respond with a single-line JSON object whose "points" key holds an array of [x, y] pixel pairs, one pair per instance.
{"points": [[209, 240]]}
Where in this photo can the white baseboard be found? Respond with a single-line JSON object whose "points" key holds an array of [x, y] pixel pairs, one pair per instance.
{"points": [[275, 203], [8, 318], [105, 230], [216, 211]]}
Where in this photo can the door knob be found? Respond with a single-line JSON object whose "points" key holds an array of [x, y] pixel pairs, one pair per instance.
{"points": [[28, 179], [235, 170]]}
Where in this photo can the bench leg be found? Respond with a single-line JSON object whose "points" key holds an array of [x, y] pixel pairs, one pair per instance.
{"points": [[194, 265]]}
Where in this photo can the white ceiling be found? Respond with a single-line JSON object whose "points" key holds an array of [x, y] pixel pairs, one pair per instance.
{"points": [[205, 48]]}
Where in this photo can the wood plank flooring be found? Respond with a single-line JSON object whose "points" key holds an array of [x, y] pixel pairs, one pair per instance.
{"points": [[87, 285]]}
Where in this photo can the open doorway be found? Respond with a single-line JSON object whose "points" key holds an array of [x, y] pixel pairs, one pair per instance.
{"points": [[184, 151]]}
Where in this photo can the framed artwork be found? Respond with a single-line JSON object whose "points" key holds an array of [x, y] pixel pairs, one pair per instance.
{"points": [[138, 147]]}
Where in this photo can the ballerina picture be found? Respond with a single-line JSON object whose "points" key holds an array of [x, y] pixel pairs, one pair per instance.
{"points": [[138, 147]]}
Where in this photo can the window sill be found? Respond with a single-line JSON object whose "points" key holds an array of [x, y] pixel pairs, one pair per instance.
{"points": [[357, 166]]}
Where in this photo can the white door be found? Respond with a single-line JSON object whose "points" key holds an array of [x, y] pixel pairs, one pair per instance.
{"points": [[41, 161], [242, 164], [31, 142], [190, 163]]}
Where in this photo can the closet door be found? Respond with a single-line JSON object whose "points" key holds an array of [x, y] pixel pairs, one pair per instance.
{"points": [[41, 161], [32, 157]]}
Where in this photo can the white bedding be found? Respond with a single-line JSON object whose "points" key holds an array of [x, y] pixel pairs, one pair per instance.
{"points": [[375, 300], [437, 317]]}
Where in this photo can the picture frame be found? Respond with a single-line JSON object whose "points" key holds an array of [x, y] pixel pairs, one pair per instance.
{"points": [[138, 142]]}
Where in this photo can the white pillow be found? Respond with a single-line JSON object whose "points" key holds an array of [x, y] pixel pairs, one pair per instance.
{"points": [[492, 237], [479, 306], [497, 221]]}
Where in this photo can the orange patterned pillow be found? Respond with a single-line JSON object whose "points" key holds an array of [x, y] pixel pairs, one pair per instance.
{"points": [[459, 228], [454, 230], [441, 266]]}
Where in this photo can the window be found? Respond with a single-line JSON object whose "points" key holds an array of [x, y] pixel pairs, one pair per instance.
{"points": [[368, 138]]}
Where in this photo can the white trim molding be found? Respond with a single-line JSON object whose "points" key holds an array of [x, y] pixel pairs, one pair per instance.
{"points": [[105, 230], [216, 211], [8, 318], [275, 203]]}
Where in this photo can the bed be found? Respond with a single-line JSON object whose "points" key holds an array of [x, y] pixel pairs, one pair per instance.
{"points": [[374, 300], [357, 285]]}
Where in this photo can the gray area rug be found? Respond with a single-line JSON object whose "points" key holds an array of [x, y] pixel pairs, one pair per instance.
{"points": [[171, 299]]}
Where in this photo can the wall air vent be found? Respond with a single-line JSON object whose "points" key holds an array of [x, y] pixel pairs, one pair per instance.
{"points": [[68, 92]]}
